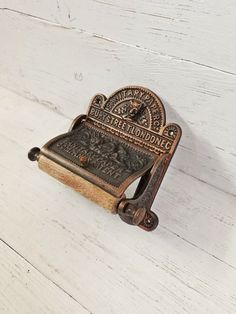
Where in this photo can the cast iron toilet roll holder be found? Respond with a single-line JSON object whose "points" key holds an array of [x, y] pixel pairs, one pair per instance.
{"points": [[122, 138]]}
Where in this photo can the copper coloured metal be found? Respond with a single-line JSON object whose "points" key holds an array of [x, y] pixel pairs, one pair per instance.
{"points": [[122, 138]]}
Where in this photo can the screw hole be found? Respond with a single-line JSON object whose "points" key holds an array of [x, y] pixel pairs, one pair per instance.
{"points": [[98, 101]]}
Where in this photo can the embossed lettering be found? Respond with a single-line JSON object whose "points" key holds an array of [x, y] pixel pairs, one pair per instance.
{"points": [[131, 129]]}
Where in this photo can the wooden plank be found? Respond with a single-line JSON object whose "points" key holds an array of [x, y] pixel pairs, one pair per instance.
{"points": [[181, 196], [199, 32], [63, 69], [24, 289], [187, 265]]}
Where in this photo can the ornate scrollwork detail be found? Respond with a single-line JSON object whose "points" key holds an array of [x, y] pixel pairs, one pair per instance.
{"points": [[108, 158], [140, 105]]}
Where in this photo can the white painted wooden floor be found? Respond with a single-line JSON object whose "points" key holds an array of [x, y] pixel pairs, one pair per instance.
{"points": [[60, 253]]}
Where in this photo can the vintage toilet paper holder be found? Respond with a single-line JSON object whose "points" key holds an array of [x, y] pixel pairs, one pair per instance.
{"points": [[122, 138]]}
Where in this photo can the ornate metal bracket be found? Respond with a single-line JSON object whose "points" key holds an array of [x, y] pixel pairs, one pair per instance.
{"points": [[122, 138]]}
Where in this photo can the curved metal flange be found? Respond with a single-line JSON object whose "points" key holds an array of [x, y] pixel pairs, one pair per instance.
{"points": [[137, 210], [76, 122], [145, 219]]}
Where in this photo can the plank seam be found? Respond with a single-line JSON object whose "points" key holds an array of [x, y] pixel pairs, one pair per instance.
{"points": [[45, 276], [203, 181], [201, 249], [99, 36]]}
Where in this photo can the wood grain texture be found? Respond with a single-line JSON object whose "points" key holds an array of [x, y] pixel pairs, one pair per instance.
{"points": [[87, 189], [57, 55], [198, 32], [24, 289], [63, 69], [187, 265]]}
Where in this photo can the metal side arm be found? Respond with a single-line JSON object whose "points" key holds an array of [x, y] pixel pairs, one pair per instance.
{"points": [[137, 210]]}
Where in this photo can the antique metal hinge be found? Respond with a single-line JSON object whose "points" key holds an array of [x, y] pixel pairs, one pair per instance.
{"points": [[122, 138]]}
